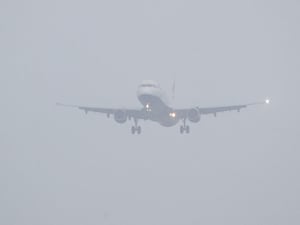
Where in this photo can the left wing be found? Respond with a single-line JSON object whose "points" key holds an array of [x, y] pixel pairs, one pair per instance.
{"points": [[184, 113]]}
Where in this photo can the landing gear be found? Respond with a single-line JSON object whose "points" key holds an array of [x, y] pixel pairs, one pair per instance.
{"points": [[181, 129], [187, 129], [136, 129], [184, 128]]}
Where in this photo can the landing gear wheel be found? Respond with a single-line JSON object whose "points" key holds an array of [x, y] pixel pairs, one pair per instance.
{"points": [[136, 129], [133, 130], [181, 129], [187, 129], [184, 128]]}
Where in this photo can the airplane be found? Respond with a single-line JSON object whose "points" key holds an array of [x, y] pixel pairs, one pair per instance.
{"points": [[157, 108]]}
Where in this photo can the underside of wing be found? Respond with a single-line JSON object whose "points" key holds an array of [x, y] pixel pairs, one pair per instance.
{"points": [[120, 114], [213, 110], [194, 113]]}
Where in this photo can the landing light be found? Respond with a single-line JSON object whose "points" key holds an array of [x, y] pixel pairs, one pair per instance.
{"points": [[147, 106], [173, 115], [267, 101]]}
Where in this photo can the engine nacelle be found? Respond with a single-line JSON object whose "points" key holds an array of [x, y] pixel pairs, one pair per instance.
{"points": [[120, 116], [193, 115]]}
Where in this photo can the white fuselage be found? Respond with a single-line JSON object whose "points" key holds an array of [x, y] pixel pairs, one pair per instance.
{"points": [[156, 104]]}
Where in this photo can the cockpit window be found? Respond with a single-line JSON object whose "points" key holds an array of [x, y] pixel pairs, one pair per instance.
{"points": [[148, 85]]}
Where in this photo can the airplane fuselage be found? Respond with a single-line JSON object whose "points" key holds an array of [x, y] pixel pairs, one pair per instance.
{"points": [[156, 104]]}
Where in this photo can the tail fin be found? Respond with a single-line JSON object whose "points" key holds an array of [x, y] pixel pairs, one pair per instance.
{"points": [[173, 89]]}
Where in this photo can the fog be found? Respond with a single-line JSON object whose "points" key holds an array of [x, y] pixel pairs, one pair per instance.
{"points": [[60, 166]]}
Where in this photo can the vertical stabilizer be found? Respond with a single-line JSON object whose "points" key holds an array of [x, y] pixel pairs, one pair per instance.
{"points": [[173, 89]]}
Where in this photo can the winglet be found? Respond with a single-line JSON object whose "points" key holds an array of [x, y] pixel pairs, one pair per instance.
{"points": [[173, 89], [267, 101]]}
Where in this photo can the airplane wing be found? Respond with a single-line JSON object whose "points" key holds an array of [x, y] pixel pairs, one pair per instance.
{"points": [[119, 112], [184, 113]]}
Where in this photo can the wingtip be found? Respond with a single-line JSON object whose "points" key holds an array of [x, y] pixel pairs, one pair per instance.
{"points": [[267, 101]]}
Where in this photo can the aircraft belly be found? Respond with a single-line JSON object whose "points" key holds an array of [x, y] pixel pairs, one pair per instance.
{"points": [[154, 102], [163, 120], [168, 122], [158, 110]]}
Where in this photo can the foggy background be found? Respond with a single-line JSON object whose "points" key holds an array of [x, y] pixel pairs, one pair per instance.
{"points": [[58, 166]]}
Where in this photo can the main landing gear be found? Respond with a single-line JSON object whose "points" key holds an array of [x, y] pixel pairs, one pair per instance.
{"points": [[184, 128], [136, 129]]}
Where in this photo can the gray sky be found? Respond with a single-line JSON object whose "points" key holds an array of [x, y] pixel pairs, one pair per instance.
{"points": [[58, 166]]}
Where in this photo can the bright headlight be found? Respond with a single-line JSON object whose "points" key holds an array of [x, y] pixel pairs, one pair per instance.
{"points": [[172, 114]]}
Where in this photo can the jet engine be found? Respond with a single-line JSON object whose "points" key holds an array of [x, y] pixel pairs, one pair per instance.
{"points": [[193, 115], [120, 116]]}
